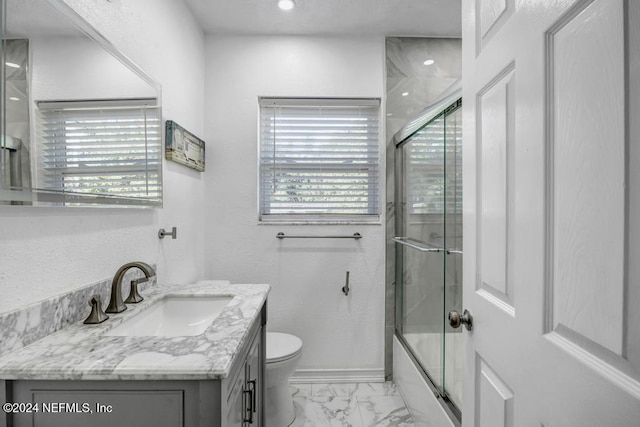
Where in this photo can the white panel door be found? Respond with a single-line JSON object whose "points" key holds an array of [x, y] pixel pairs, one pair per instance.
{"points": [[552, 212]]}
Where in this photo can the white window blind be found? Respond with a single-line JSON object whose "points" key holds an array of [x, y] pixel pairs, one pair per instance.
{"points": [[319, 157], [111, 151]]}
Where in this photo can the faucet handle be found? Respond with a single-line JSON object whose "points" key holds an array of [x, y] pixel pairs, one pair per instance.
{"points": [[134, 297], [96, 315]]}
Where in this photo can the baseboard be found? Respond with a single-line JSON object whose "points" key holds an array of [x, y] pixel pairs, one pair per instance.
{"points": [[335, 376]]}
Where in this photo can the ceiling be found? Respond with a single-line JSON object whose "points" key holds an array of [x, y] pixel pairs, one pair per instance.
{"points": [[426, 18]]}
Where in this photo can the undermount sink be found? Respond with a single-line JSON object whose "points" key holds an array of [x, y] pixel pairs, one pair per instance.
{"points": [[174, 316]]}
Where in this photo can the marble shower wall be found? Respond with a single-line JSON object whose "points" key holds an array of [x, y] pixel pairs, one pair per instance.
{"points": [[407, 73], [411, 85]]}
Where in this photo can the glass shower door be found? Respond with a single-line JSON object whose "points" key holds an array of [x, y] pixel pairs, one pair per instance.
{"points": [[429, 251], [453, 338], [422, 261]]}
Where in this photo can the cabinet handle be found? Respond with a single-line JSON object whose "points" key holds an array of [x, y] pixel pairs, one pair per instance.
{"points": [[249, 407], [252, 385]]}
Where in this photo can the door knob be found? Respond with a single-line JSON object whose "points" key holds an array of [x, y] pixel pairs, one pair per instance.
{"points": [[455, 319]]}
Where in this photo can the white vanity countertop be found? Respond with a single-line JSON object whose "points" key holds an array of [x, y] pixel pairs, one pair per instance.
{"points": [[83, 352]]}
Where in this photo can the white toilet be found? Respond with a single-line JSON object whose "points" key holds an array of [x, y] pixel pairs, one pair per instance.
{"points": [[283, 353]]}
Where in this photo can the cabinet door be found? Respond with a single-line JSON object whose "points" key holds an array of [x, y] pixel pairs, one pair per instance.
{"points": [[254, 376], [103, 408], [113, 403], [236, 403]]}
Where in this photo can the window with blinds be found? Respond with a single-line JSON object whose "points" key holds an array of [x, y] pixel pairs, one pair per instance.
{"points": [[433, 159], [319, 158], [106, 148]]}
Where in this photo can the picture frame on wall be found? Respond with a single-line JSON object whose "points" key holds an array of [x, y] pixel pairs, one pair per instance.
{"points": [[181, 146]]}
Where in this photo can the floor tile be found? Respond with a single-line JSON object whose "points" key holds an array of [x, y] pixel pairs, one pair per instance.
{"points": [[300, 389], [332, 390], [379, 411], [349, 405], [326, 411], [375, 389]]}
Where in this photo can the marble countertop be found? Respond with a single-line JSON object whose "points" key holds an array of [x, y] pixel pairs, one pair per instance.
{"points": [[83, 352]]}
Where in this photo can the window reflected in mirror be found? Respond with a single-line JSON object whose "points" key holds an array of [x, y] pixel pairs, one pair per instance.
{"points": [[81, 123]]}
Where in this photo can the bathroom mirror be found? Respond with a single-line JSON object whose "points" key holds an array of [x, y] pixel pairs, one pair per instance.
{"points": [[80, 122]]}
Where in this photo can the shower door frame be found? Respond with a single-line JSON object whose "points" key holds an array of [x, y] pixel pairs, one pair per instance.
{"points": [[449, 406]]}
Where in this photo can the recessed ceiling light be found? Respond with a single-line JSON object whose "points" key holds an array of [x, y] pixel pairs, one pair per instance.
{"points": [[428, 62], [13, 98], [389, 114], [286, 4], [405, 93], [12, 65]]}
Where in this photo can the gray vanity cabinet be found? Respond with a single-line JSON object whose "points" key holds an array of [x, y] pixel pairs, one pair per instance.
{"points": [[255, 374], [236, 401], [245, 398]]}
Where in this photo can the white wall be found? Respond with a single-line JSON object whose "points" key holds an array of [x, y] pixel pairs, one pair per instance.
{"points": [[86, 72], [339, 333], [45, 251]]}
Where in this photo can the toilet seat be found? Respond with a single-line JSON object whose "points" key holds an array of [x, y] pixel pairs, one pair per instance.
{"points": [[282, 346]]}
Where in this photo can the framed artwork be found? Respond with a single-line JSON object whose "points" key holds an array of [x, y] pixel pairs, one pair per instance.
{"points": [[183, 147]]}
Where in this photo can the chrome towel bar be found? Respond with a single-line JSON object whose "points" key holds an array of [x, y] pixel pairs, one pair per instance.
{"points": [[418, 245], [281, 235]]}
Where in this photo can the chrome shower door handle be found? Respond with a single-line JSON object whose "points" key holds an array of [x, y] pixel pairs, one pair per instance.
{"points": [[455, 319]]}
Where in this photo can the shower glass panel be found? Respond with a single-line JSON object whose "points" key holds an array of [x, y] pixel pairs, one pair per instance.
{"points": [[429, 250], [453, 344], [423, 270]]}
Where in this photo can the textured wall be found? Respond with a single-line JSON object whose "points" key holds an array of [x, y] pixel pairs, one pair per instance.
{"points": [[45, 251], [102, 76], [338, 332]]}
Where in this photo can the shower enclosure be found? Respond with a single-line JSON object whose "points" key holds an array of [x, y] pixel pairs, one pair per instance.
{"points": [[429, 246]]}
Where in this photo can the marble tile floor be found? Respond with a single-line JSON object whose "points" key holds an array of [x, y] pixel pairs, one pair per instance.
{"points": [[349, 405]]}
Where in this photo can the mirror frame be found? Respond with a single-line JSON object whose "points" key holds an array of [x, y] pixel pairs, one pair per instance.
{"points": [[47, 198]]}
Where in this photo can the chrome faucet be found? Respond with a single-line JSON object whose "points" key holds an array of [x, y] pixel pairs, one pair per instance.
{"points": [[116, 305]]}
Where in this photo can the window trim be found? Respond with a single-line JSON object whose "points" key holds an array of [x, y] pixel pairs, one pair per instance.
{"points": [[323, 218]]}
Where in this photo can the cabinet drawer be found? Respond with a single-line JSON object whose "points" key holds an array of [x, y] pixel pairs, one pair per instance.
{"points": [[101, 408]]}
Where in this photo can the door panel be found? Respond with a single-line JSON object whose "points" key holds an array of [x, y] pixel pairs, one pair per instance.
{"points": [[494, 397], [587, 152], [551, 229], [492, 14], [632, 299], [496, 109]]}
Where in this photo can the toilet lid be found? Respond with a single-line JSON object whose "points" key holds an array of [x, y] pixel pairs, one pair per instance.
{"points": [[282, 346]]}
